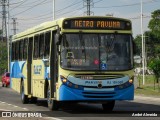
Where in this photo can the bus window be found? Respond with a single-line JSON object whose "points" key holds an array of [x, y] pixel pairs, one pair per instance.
{"points": [[13, 51], [21, 49], [41, 46], [25, 48], [17, 51], [47, 44], [36, 47]]}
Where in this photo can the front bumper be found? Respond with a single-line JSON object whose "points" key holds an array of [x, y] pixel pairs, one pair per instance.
{"points": [[70, 94]]}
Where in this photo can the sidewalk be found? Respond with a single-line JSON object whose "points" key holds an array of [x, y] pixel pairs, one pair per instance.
{"points": [[147, 98]]}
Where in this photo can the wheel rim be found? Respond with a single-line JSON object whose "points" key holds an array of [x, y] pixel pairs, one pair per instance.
{"points": [[48, 97], [22, 94]]}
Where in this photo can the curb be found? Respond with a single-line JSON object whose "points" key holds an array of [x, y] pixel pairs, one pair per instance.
{"points": [[152, 98]]}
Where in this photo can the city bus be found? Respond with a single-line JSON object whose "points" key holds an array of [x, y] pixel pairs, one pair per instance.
{"points": [[75, 59]]}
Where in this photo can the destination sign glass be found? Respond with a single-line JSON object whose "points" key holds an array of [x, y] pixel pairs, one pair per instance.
{"points": [[97, 23]]}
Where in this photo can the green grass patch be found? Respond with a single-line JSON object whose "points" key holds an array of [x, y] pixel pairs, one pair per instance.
{"points": [[150, 88]]}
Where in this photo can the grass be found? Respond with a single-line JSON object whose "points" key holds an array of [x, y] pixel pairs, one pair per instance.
{"points": [[149, 88]]}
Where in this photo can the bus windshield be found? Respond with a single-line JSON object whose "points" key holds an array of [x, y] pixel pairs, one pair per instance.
{"points": [[107, 52]]}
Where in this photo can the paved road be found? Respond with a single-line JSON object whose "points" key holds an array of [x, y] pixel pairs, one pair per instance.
{"points": [[10, 101]]}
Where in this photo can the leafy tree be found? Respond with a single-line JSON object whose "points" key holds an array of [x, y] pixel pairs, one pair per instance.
{"points": [[152, 43], [155, 66], [3, 57], [154, 23], [138, 42]]}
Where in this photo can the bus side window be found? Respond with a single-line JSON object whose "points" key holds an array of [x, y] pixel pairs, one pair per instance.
{"points": [[13, 51], [17, 50], [47, 44], [41, 46], [36, 47], [25, 48], [21, 50]]}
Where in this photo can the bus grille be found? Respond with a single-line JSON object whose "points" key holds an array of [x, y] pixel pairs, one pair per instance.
{"points": [[99, 94], [99, 77]]}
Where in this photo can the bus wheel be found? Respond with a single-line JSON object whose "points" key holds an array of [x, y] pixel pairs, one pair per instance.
{"points": [[108, 106], [52, 104], [24, 97], [34, 99]]}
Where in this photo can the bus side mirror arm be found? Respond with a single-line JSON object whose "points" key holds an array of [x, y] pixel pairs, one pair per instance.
{"points": [[134, 48], [58, 37]]}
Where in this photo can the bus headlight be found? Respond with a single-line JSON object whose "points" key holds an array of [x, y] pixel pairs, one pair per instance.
{"points": [[69, 84], [125, 85], [63, 79]]}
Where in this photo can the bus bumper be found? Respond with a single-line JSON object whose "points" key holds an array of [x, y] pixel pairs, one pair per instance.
{"points": [[70, 94]]}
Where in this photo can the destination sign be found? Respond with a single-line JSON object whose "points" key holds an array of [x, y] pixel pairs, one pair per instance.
{"points": [[97, 23]]}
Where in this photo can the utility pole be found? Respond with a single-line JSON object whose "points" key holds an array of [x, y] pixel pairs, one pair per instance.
{"points": [[4, 19], [143, 53], [88, 3], [53, 9], [14, 25], [5, 26]]}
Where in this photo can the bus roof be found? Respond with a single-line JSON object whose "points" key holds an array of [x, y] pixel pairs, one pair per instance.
{"points": [[58, 22]]}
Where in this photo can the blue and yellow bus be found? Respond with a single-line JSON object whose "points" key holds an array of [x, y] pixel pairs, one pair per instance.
{"points": [[76, 59]]}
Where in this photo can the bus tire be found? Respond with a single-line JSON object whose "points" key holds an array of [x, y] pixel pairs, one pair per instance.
{"points": [[107, 107], [46, 88], [33, 99], [24, 98], [52, 104]]}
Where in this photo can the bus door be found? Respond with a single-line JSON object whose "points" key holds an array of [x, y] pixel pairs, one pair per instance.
{"points": [[29, 64], [53, 65]]}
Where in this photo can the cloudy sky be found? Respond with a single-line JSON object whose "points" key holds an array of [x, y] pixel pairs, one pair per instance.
{"points": [[33, 12]]}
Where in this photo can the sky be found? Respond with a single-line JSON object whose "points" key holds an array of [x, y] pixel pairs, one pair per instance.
{"points": [[29, 13]]}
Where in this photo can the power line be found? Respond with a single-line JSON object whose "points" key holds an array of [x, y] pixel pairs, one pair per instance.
{"points": [[70, 11], [13, 3], [98, 1], [29, 8], [34, 18], [30, 3], [18, 5], [128, 5], [68, 6], [57, 12]]}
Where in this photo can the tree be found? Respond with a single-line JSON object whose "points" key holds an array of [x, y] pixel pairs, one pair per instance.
{"points": [[152, 43], [138, 42], [154, 23], [3, 57], [155, 66]]}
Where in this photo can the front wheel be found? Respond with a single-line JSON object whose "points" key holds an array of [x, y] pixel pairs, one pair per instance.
{"points": [[107, 107], [33, 99], [52, 104], [24, 98]]}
